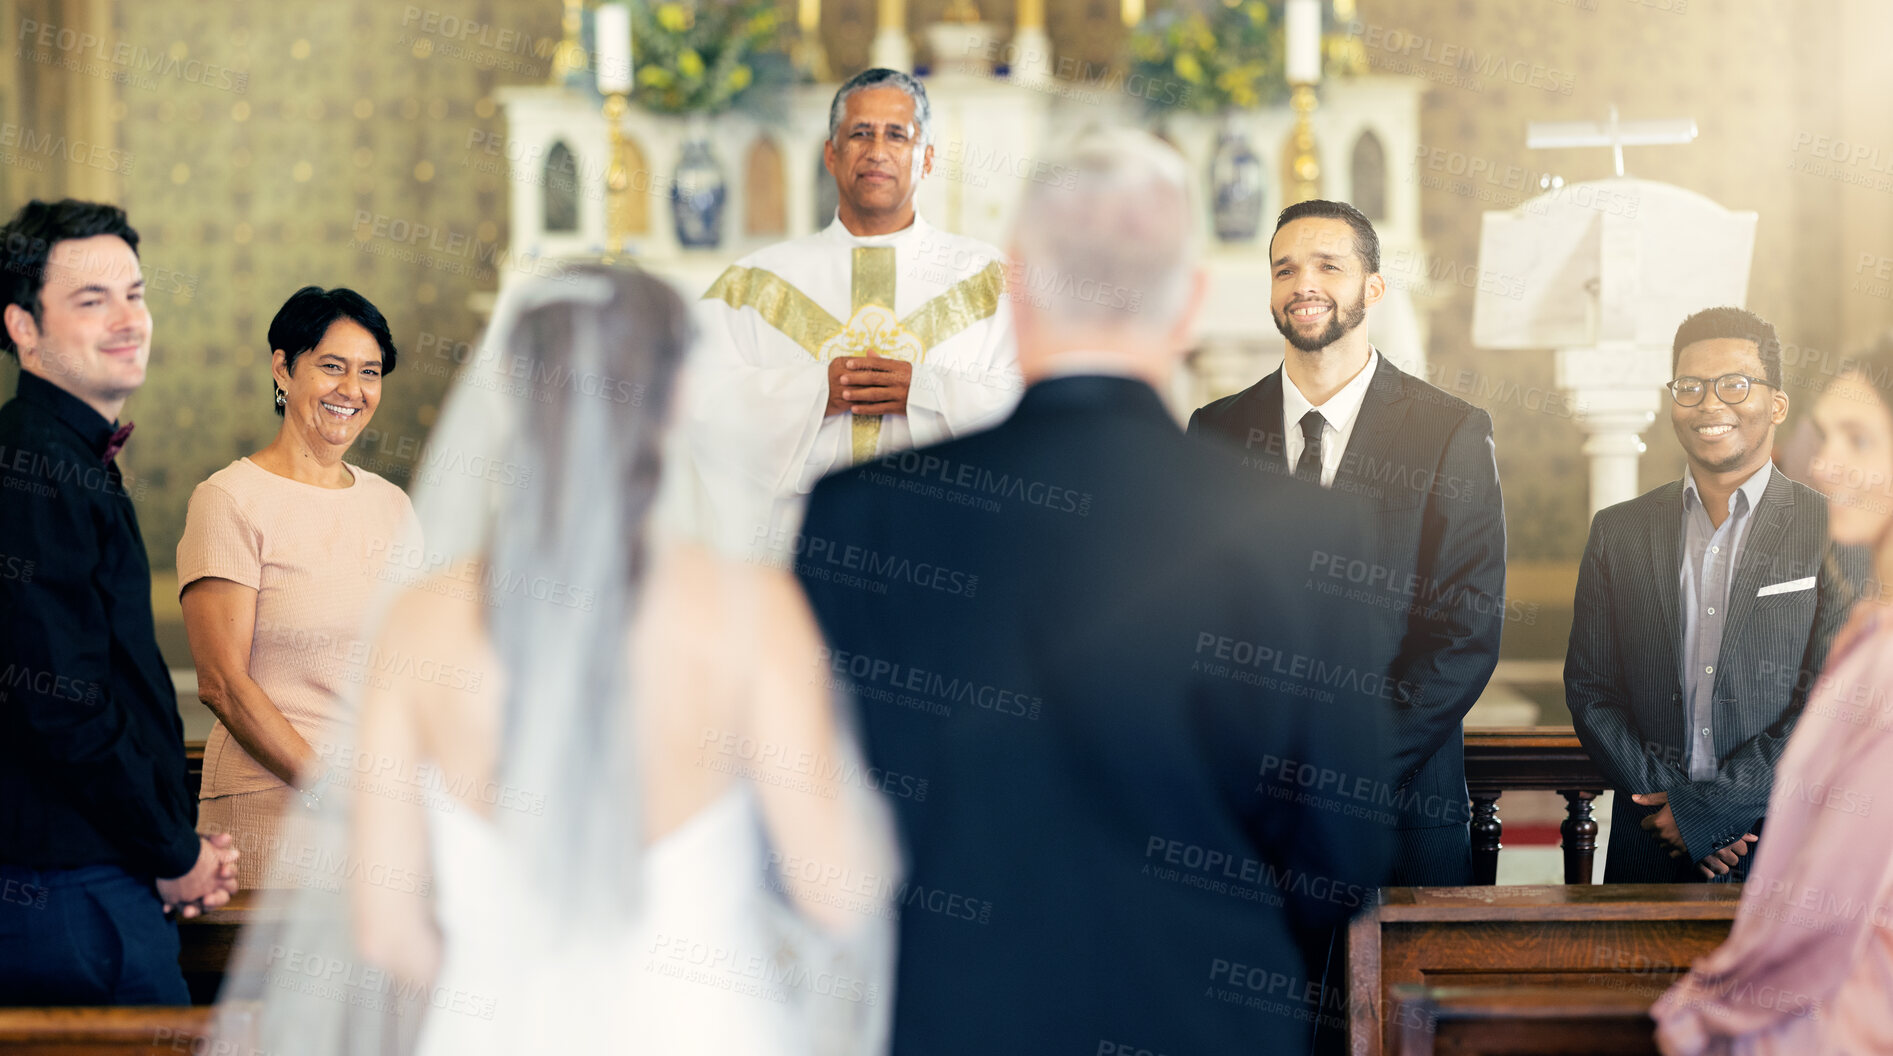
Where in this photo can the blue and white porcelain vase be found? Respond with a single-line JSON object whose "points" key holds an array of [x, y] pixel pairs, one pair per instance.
{"points": [[698, 191], [1235, 184]]}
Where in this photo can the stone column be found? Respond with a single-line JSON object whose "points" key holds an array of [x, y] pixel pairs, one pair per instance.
{"points": [[1615, 391]]}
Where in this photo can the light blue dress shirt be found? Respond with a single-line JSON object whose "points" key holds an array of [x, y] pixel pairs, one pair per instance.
{"points": [[1709, 563]]}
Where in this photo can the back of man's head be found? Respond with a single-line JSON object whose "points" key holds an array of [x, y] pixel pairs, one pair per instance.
{"points": [[27, 240], [1106, 235]]}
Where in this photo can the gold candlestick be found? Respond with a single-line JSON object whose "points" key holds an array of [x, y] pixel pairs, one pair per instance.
{"points": [[569, 57], [810, 55], [891, 47], [1304, 167], [617, 181], [1345, 52]]}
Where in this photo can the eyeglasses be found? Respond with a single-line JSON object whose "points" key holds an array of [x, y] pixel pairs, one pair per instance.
{"points": [[1730, 389]]}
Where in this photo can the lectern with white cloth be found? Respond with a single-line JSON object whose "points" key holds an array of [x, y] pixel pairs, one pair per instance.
{"points": [[1604, 272]]}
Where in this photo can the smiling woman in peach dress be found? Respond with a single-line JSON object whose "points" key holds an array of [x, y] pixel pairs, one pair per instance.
{"points": [[276, 569], [1808, 967]]}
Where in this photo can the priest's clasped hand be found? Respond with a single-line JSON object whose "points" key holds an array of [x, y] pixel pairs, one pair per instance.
{"points": [[1662, 825], [871, 384]]}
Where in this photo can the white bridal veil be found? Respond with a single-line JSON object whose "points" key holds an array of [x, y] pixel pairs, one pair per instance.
{"points": [[536, 494]]}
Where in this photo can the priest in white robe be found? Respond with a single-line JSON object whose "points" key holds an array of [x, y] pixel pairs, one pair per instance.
{"points": [[878, 334]]}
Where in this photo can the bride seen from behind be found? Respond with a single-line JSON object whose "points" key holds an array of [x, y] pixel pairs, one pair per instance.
{"points": [[630, 815]]}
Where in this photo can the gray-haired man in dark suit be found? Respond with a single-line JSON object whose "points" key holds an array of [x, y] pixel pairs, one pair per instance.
{"points": [[1704, 611]]}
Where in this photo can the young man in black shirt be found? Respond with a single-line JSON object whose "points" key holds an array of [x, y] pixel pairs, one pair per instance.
{"points": [[98, 841]]}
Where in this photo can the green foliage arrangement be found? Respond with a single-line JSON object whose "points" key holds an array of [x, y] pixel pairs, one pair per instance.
{"points": [[1227, 54], [700, 56]]}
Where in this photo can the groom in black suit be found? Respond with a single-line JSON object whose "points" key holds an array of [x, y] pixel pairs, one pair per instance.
{"points": [[1430, 581], [1127, 754]]}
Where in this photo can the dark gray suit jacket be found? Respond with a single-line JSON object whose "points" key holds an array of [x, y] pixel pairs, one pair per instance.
{"points": [[1430, 581], [1624, 689]]}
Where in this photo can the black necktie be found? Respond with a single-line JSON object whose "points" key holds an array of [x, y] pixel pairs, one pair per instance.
{"points": [[1309, 466]]}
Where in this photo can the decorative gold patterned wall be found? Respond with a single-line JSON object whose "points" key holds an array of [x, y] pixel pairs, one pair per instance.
{"points": [[261, 136], [356, 120]]}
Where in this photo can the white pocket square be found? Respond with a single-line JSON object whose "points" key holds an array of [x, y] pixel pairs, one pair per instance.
{"points": [[1805, 583]]}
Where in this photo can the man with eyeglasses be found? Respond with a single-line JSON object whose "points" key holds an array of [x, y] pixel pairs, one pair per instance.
{"points": [[1704, 612]]}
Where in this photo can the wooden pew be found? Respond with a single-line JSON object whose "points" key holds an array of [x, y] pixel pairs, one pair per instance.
{"points": [[1524, 1021], [194, 767], [207, 942], [121, 1031], [1631, 938]]}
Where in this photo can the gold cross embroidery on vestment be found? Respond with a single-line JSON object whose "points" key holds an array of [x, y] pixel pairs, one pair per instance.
{"points": [[872, 328]]}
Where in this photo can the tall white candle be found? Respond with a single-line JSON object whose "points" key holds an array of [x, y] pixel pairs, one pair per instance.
{"points": [[611, 29], [1302, 29]]}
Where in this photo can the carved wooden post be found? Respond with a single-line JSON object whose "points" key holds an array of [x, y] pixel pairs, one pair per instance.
{"points": [[1580, 835], [1486, 830]]}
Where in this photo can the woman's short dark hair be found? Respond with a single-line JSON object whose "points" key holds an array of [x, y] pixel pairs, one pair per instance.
{"points": [[304, 320], [28, 240], [1711, 324]]}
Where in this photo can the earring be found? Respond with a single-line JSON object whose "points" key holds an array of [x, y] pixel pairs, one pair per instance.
{"points": [[282, 399]]}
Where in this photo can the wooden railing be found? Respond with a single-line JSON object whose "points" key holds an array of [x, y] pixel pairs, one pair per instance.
{"points": [[1498, 759], [194, 766], [1531, 758], [126, 1030]]}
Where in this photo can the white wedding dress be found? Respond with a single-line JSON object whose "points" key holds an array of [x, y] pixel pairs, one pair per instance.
{"points": [[709, 966], [537, 952]]}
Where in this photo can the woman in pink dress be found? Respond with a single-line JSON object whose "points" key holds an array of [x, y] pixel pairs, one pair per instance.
{"points": [[281, 555], [1808, 967]]}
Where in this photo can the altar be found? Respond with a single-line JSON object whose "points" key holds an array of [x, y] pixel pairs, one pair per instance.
{"points": [[992, 136], [990, 139]]}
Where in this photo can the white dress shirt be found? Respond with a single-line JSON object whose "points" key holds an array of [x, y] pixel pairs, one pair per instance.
{"points": [[1342, 410]]}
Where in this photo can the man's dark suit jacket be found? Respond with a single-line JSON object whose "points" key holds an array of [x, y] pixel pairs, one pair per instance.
{"points": [[1430, 579], [92, 768], [1624, 688], [1125, 757]]}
